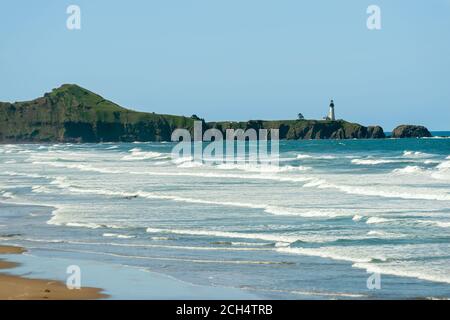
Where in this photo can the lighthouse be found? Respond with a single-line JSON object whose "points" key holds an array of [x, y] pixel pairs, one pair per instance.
{"points": [[331, 115]]}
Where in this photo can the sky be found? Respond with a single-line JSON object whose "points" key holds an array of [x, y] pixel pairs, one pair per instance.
{"points": [[237, 59]]}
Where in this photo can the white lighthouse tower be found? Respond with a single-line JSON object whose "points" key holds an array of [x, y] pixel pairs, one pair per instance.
{"points": [[331, 116]]}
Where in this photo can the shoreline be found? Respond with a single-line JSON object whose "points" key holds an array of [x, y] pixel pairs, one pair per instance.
{"points": [[126, 282], [21, 259], [121, 282], [14, 287]]}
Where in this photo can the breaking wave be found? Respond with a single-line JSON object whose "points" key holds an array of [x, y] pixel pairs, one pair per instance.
{"points": [[368, 263], [416, 154], [262, 168], [409, 170], [81, 167], [138, 154], [318, 157], [372, 161], [226, 234], [377, 220], [119, 236]]}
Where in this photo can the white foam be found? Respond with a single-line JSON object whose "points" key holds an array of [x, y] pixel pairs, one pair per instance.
{"points": [[40, 189], [417, 194], [138, 154], [376, 233], [442, 171], [372, 161], [8, 195], [81, 167], [409, 170], [189, 260], [377, 220], [392, 187], [247, 176], [83, 225], [190, 164], [321, 252], [267, 175], [362, 258], [162, 238], [135, 245], [261, 168], [247, 244], [309, 181], [304, 156], [416, 154], [58, 220], [61, 182], [384, 235], [441, 224], [20, 174], [275, 210], [319, 157], [328, 294], [312, 213], [444, 165], [418, 273], [318, 183], [181, 160], [116, 235], [226, 234], [310, 293]]}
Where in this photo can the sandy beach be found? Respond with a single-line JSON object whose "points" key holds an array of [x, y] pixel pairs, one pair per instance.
{"points": [[19, 288]]}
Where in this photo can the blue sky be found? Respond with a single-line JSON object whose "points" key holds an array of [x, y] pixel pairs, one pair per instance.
{"points": [[237, 59]]}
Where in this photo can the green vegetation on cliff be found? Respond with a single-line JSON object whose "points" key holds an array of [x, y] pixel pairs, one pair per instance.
{"points": [[73, 114]]}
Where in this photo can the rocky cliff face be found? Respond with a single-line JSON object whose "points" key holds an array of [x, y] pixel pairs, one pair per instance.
{"points": [[73, 114], [410, 131], [307, 129]]}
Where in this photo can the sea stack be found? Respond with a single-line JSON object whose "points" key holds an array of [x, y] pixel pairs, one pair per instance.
{"points": [[411, 131]]}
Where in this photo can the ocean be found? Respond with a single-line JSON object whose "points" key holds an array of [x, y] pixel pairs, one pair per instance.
{"points": [[333, 214]]}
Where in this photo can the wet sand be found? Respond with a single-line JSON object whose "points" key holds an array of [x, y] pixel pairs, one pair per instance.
{"points": [[20, 288]]}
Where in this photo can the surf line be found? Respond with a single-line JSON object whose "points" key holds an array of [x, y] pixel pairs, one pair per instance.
{"points": [[248, 144]]}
